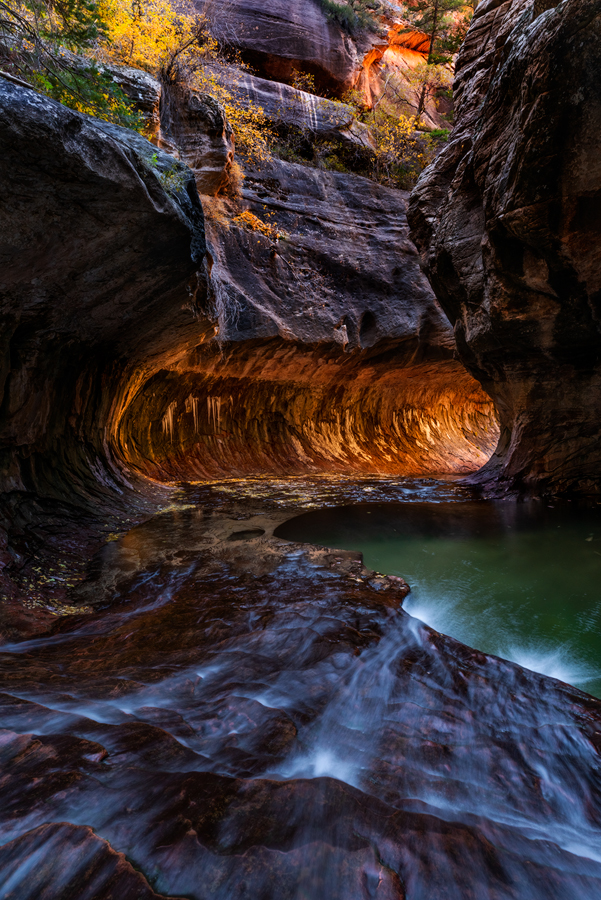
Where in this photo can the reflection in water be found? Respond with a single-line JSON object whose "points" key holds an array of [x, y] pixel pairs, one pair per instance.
{"points": [[519, 581]]}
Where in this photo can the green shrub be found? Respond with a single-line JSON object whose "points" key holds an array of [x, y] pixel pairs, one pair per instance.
{"points": [[354, 15], [440, 133]]}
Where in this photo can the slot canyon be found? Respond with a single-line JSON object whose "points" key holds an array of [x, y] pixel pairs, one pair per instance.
{"points": [[202, 347]]}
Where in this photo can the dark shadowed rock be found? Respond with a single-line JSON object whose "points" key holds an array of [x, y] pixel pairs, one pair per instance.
{"points": [[101, 239], [507, 223], [99, 248], [279, 36]]}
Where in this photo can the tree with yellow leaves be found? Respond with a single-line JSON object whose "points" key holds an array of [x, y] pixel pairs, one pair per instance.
{"points": [[155, 36], [176, 45]]}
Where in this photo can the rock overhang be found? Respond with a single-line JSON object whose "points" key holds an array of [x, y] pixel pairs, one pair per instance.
{"points": [[139, 351]]}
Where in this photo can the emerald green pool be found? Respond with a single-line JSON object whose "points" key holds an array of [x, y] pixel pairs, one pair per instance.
{"points": [[521, 581]]}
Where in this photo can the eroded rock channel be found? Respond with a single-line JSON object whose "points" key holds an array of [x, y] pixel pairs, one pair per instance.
{"points": [[325, 352], [189, 705], [250, 717]]}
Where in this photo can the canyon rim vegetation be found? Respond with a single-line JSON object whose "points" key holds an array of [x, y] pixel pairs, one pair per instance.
{"points": [[67, 51]]}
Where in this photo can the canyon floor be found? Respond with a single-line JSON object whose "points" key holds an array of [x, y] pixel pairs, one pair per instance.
{"points": [[233, 715]]}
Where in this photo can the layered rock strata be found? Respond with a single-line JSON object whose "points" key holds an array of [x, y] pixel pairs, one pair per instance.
{"points": [[507, 224], [282, 39], [285, 105], [279, 37]]}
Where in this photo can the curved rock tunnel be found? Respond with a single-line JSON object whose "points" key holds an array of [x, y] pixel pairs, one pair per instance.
{"points": [[112, 374], [139, 350], [283, 408]]}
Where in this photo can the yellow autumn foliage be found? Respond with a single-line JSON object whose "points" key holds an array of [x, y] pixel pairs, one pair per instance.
{"points": [[154, 35], [248, 219], [175, 42], [253, 132]]}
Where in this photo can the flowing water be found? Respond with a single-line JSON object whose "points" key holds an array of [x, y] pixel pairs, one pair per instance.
{"points": [[248, 718], [521, 581]]}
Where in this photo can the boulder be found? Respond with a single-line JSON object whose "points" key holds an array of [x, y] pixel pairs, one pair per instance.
{"points": [[142, 88], [508, 227], [138, 86], [194, 126]]}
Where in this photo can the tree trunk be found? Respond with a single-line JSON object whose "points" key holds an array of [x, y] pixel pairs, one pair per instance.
{"points": [[433, 33]]}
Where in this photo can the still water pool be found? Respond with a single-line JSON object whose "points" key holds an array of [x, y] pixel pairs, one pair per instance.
{"points": [[521, 581]]}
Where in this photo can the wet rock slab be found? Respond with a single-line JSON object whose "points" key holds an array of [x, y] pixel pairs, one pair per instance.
{"points": [[251, 718]]}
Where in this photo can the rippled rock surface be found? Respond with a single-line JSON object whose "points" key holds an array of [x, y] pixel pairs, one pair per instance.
{"points": [[241, 717], [332, 353]]}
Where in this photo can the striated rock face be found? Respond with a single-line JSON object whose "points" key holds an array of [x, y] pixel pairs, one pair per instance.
{"points": [[339, 248], [333, 354], [508, 226], [286, 105]]}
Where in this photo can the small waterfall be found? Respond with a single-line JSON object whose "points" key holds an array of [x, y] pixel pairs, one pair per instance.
{"points": [[310, 109]]}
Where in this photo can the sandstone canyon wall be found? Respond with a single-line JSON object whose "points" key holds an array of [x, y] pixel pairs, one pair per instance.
{"points": [[281, 38], [134, 346], [213, 712], [98, 280], [507, 221]]}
